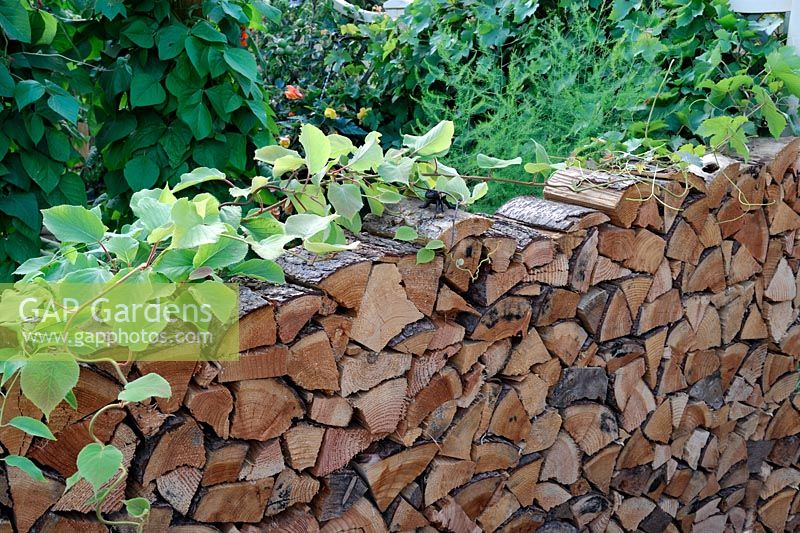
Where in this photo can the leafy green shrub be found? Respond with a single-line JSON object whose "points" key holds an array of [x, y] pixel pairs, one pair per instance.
{"points": [[729, 76], [159, 87], [318, 62], [39, 112], [569, 85], [177, 88], [589, 78]]}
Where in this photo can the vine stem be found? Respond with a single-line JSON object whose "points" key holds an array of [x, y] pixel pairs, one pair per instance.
{"points": [[118, 405], [5, 398], [655, 98], [98, 508]]}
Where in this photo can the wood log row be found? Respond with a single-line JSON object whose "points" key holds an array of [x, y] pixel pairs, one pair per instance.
{"points": [[619, 360]]}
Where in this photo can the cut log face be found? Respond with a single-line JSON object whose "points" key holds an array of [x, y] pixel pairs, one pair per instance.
{"points": [[250, 419], [387, 477], [624, 358], [385, 309]]}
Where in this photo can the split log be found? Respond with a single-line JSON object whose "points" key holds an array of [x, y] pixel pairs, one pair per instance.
{"points": [[212, 405], [340, 490], [251, 421], [250, 497], [264, 362], [381, 408], [552, 216], [32, 498], [462, 263], [224, 463], [294, 306], [330, 410], [302, 445], [506, 318], [291, 489], [387, 477], [181, 445], [385, 309], [616, 196], [312, 364], [531, 247], [365, 370], [449, 227]]}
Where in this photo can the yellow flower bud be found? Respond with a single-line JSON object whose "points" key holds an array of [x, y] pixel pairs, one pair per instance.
{"points": [[363, 112], [330, 113], [284, 141]]}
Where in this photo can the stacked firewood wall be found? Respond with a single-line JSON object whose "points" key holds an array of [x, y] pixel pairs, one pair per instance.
{"points": [[619, 356]]}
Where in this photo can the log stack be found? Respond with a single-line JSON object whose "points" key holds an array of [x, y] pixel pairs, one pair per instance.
{"points": [[620, 359]]}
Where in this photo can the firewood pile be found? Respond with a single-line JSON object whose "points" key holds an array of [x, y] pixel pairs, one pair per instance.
{"points": [[619, 356]]}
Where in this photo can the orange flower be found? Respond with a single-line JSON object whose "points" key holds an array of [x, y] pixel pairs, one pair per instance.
{"points": [[292, 93]]}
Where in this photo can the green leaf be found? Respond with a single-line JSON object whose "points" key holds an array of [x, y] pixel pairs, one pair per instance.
{"points": [[220, 254], [318, 246], [726, 129], [197, 176], [398, 172], [71, 480], [242, 61], [287, 163], [31, 426], [307, 225], [406, 233], [110, 8], [270, 154], [369, 155], [72, 223], [65, 105], [170, 41], [27, 91], [455, 187], [776, 120], [148, 386], [485, 161], [272, 247], [478, 192], [137, 507], [340, 145], [14, 20], [198, 118], [71, 400], [6, 82], [262, 269], [537, 168], [43, 27], [425, 255], [317, 147], [189, 229], [345, 199], [46, 382], [141, 172], [436, 142], [26, 465], [434, 244], [204, 30], [221, 299], [146, 89], [42, 169], [785, 65], [139, 32], [124, 247], [98, 463]]}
